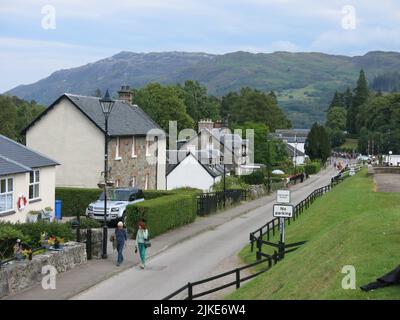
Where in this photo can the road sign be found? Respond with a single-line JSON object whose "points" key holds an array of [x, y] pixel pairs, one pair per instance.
{"points": [[283, 196], [352, 172], [283, 211]]}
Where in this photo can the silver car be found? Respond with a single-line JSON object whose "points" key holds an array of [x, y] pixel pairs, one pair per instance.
{"points": [[117, 201]]}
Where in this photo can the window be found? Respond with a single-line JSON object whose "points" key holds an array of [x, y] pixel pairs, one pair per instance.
{"points": [[117, 150], [148, 149], [146, 183], [34, 182], [6, 194], [132, 182], [134, 155]]}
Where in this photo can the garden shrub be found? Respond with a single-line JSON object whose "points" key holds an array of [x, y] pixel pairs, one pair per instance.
{"points": [[76, 200], [312, 168], [86, 223], [163, 213], [8, 237], [254, 178]]}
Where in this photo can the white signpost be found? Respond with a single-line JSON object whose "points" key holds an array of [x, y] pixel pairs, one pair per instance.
{"points": [[283, 196], [283, 211], [352, 171]]}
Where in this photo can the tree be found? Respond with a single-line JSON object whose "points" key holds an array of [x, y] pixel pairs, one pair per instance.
{"points": [[361, 94], [253, 105], [8, 117], [336, 118], [164, 104], [337, 101], [199, 105], [317, 145]]}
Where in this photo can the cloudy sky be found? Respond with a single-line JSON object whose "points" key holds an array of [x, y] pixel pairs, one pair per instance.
{"points": [[39, 37]]}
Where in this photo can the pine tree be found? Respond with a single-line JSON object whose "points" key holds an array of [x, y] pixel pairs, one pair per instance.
{"points": [[337, 101], [361, 94], [317, 144]]}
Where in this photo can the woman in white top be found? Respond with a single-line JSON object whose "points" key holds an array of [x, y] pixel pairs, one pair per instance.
{"points": [[142, 236]]}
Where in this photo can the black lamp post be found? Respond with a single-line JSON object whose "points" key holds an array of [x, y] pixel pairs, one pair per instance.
{"points": [[107, 105]]}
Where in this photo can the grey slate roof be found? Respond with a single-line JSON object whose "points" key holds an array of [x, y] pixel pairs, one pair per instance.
{"points": [[124, 120], [291, 151], [16, 158]]}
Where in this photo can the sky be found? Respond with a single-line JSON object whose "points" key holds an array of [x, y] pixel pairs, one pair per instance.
{"points": [[39, 37]]}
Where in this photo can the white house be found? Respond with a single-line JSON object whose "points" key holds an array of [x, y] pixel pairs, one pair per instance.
{"points": [[192, 172], [72, 131], [27, 181], [296, 153], [392, 160]]}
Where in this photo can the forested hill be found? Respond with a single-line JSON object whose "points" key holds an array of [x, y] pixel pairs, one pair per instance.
{"points": [[303, 82]]}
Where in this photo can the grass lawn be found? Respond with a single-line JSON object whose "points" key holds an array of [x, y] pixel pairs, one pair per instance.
{"points": [[350, 144], [351, 225]]}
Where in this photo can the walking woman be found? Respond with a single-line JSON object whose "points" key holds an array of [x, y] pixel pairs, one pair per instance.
{"points": [[142, 238]]}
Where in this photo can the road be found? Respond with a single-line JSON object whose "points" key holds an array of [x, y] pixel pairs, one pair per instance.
{"points": [[192, 259]]}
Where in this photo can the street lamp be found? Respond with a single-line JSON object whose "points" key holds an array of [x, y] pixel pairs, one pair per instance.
{"points": [[107, 105]]}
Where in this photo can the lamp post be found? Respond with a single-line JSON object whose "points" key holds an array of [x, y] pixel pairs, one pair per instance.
{"points": [[107, 105]]}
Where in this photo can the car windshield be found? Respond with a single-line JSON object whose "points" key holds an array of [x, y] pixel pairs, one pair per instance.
{"points": [[116, 195]]}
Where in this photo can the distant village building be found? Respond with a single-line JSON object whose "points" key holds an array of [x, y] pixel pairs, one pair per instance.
{"points": [[71, 130], [27, 181], [295, 141]]}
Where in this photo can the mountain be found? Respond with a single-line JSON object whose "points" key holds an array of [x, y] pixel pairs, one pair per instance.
{"points": [[304, 82]]}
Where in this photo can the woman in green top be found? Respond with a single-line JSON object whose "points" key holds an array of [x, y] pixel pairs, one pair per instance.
{"points": [[141, 237]]}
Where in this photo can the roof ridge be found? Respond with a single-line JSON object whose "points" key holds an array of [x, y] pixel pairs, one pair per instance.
{"points": [[16, 163]]}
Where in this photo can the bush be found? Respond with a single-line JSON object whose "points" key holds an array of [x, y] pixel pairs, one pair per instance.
{"points": [[152, 194], [163, 213], [8, 237], [76, 200], [255, 178], [312, 168], [231, 183], [32, 231], [86, 223]]}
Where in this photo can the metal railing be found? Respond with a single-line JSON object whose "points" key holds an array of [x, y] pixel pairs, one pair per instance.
{"points": [[211, 202]]}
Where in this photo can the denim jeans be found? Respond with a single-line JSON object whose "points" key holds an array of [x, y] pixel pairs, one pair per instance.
{"points": [[120, 248], [142, 252]]}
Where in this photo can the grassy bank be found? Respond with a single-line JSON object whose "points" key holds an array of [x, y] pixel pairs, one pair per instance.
{"points": [[351, 225]]}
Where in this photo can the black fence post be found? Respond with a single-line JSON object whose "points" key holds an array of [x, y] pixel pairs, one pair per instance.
{"points": [[190, 291], [89, 244], [237, 278]]}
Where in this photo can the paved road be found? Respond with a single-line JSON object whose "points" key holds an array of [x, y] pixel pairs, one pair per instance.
{"points": [[193, 259]]}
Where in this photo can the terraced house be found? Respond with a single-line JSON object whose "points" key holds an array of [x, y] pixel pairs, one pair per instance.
{"points": [[71, 130]]}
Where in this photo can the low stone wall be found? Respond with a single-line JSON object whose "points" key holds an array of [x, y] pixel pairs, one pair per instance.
{"points": [[257, 191], [20, 275], [391, 170]]}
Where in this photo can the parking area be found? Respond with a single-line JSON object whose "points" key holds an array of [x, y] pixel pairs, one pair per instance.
{"points": [[387, 182]]}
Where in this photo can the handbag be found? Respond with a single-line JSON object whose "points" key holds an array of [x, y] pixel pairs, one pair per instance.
{"points": [[147, 243]]}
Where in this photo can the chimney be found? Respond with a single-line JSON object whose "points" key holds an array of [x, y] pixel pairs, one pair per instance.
{"points": [[205, 123], [125, 94]]}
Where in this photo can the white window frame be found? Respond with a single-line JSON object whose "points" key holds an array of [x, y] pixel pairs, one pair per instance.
{"points": [[148, 148], [134, 155], [35, 182], [117, 155], [133, 181], [7, 193]]}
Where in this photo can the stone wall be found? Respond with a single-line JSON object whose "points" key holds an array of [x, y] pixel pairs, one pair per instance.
{"points": [[97, 241], [257, 191], [20, 275], [128, 167]]}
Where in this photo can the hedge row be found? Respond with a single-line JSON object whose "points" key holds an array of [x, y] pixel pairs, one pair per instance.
{"points": [[76, 200], [163, 213], [312, 168]]}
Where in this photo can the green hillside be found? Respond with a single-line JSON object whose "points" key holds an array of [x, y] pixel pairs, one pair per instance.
{"points": [[304, 82], [351, 225]]}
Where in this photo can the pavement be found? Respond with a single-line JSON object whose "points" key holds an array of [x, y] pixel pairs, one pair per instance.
{"points": [[185, 254], [387, 182]]}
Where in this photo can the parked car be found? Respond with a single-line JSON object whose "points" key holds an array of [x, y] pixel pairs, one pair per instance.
{"points": [[117, 201]]}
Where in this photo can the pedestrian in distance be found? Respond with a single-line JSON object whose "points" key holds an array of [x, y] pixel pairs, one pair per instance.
{"points": [[121, 237], [142, 243]]}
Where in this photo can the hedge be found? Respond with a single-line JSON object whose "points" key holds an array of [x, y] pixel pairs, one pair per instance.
{"points": [[312, 168], [86, 223], [163, 213], [76, 200], [254, 178]]}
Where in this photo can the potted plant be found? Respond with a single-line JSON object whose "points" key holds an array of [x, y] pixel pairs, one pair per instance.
{"points": [[33, 216]]}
